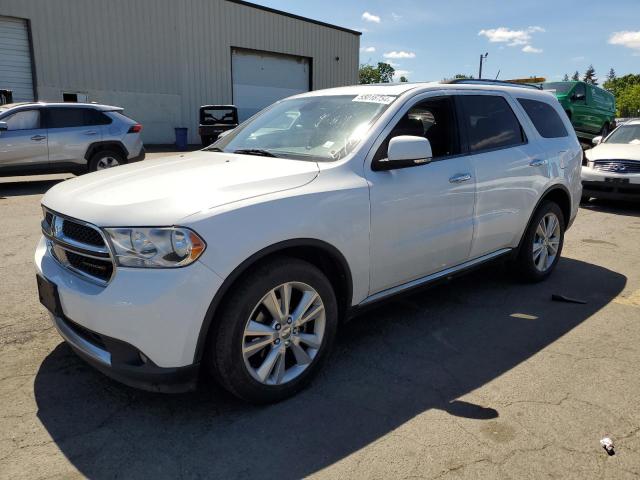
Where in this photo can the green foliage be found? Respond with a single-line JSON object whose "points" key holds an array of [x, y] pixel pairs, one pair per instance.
{"points": [[382, 73], [628, 102], [626, 89], [611, 75], [403, 79], [590, 76]]}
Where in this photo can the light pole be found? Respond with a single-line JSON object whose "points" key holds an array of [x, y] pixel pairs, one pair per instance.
{"points": [[482, 57]]}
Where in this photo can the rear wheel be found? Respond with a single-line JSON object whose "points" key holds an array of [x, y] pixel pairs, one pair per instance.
{"points": [[274, 331], [105, 159], [605, 130], [542, 243]]}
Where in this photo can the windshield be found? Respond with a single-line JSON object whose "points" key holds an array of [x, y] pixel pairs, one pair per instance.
{"points": [[559, 87], [322, 128], [625, 134]]}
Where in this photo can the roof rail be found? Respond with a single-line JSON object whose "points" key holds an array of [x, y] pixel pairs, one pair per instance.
{"points": [[475, 81]]}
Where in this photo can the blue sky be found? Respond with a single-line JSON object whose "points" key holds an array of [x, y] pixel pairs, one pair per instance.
{"points": [[431, 40]]}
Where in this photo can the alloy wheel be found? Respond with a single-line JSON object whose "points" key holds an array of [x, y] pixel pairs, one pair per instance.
{"points": [[546, 242], [107, 162], [283, 333]]}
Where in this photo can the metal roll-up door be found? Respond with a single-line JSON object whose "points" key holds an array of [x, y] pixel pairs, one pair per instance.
{"points": [[15, 59], [262, 78]]}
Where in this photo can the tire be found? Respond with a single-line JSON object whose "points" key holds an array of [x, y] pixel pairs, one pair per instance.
{"points": [[532, 268], [605, 130], [105, 159], [250, 364]]}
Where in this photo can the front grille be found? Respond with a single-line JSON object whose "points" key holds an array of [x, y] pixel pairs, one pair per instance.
{"points": [[617, 166], [82, 233], [79, 246]]}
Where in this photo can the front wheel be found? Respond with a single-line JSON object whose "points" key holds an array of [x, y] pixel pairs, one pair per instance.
{"points": [[542, 243], [274, 331]]}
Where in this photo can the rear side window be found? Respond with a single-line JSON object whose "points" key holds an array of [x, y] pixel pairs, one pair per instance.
{"points": [[544, 117], [94, 117], [65, 117], [490, 123], [24, 120]]}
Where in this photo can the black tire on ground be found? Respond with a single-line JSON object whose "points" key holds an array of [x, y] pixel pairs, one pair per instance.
{"points": [[105, 157], [225, 356], [525, 267]]}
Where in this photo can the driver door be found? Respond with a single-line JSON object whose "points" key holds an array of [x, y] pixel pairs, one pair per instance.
{"points": [[422, 216]]}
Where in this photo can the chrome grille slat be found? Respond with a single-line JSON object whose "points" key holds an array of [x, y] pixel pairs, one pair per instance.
{"points": [[617, 166], [90, 259]]}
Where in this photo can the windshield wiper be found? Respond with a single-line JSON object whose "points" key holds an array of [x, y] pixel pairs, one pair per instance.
{"points": [[255, 151]]}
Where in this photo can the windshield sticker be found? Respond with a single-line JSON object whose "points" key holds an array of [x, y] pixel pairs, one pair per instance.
{"points": [[373, 98]]}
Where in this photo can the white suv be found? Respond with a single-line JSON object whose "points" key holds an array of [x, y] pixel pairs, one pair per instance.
{"points": [[244, 257]]}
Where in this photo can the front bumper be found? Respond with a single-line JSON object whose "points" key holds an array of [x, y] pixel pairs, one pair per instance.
{"points": [[158, 313], [123, 362], [607, 185]]}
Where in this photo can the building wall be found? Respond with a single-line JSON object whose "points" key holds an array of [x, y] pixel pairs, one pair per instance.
{"points": [[162, 59]]}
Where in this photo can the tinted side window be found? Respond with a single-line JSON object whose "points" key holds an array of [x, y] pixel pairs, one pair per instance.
{"points": [[432, 119], [24, 120], [65, 117], [94, 117], [490, 122], [544, 118]]}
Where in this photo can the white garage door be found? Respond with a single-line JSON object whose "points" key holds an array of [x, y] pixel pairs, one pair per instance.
{"points": [[15, 59], [261, 78]]}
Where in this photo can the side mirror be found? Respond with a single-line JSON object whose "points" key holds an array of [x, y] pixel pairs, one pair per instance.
{"points": [[4, 126], [597, 140], [405, 151], [578, 96]]}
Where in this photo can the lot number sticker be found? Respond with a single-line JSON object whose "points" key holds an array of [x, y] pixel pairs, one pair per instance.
{"points": [[373, 98]]}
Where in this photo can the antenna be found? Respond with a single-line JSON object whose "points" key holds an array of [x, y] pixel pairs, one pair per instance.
{"points": [[498, 74]]}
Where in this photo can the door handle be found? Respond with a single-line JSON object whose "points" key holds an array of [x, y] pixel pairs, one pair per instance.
{"points": [[37, 138], [90, 132], [538, 162], [461, 177]]}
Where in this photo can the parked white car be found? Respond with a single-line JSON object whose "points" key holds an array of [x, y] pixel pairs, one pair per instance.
{"points": [[612, 168], [243, 258]]}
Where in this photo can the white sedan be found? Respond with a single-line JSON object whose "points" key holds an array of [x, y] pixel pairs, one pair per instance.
{"points": [[612, 168]]}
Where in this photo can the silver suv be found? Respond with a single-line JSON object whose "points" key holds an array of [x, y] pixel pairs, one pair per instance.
{"points": [[39, 137]]}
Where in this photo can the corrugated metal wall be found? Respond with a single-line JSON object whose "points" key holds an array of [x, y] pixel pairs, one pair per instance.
{"points": [[15, 59], [162, 59]]}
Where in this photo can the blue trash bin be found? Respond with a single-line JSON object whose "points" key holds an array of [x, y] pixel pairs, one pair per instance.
{"points": [[181, 138]]}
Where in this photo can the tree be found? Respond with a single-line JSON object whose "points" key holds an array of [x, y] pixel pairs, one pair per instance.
{"points": [[565, 78], [576, 76], [382, 73], [590, 76], [628, 102], [611, 75], [403, 79]]}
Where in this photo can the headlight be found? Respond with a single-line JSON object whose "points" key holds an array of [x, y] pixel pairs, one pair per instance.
{"points": [[155, 247]]}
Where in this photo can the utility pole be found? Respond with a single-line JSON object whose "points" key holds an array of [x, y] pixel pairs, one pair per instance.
{"points": [[482, 57]]}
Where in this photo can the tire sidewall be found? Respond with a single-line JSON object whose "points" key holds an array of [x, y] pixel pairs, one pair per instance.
{"points": [[93, 163], [228, 359], [525, 257]]}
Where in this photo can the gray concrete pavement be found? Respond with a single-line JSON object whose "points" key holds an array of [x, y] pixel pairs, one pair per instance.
{"points": [[480, 377]]}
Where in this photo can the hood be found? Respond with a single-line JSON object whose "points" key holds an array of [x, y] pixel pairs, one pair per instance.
{"points": [[163, 191], [614, 151]]}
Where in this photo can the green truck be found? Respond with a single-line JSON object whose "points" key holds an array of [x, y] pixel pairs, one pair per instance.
{"points": [[591, 109]]}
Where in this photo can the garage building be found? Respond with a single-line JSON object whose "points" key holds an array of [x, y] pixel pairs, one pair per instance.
{"points": [[162, 59]]}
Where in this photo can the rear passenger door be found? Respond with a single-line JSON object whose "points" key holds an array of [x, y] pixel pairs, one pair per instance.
{"points": [[71, 130], [510, 170]]}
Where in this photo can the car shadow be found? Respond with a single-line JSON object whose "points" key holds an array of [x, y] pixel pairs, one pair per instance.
{"points": [[618, 207], [27, 187], [390, 364]]}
